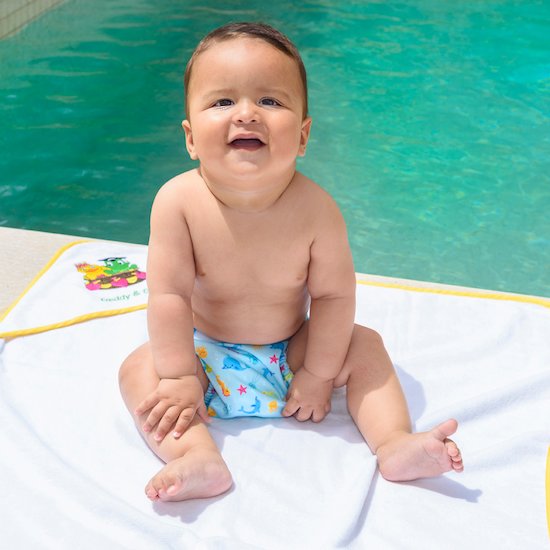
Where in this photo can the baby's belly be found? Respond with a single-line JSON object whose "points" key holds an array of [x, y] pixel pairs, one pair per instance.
{"points": [[246, 322]]}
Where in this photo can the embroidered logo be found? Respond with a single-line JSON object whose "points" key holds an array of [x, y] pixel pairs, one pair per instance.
{"points": [[115, 272]]}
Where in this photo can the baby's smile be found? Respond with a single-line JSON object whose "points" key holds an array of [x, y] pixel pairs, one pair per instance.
{"points": [[247, 143]]}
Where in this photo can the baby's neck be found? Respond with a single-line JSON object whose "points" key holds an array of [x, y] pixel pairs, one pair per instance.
{"points": [[253, 198]]}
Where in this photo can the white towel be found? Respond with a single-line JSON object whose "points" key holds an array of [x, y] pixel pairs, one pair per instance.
{"points": [[73, 467], [83, 281]]}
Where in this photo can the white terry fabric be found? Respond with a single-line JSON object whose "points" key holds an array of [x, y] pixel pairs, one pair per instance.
{"points": [[73, 467], [63, 295]]}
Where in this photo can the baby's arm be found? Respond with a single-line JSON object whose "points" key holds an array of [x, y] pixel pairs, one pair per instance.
{"points": [[170, 278], [331, 284]]}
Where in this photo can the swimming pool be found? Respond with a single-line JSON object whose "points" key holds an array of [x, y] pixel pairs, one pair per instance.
{"points": [[431, 125]]}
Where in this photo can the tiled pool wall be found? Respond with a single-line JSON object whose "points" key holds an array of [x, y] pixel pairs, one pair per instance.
{"points": [[15, 14]]}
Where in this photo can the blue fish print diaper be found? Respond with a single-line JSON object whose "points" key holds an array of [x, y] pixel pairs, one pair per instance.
{"points": [[245, 380]]}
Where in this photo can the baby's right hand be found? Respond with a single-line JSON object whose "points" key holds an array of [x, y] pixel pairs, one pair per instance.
{"points": [[308, 396], [174, 403]]}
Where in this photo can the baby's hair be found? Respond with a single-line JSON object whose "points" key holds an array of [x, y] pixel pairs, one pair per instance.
{"points": [[254, 30]]}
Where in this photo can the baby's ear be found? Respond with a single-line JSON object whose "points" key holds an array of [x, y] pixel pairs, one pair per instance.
{"points": [[304, 136], [189, 143]]}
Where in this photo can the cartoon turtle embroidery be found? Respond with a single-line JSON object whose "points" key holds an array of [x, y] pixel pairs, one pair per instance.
{"points": [[115, 273]]}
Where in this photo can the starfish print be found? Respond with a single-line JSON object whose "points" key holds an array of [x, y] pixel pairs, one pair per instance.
{"points": [[241, 389], [273, 358]]}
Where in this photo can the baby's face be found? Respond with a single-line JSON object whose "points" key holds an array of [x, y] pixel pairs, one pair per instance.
{"points": [[245, 104]]}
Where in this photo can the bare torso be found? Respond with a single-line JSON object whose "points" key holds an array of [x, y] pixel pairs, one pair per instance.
{"points": [[251, 268]]}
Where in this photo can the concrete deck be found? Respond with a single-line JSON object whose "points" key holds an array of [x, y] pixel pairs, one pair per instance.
{"points": [[15, 14], [24, 253]]}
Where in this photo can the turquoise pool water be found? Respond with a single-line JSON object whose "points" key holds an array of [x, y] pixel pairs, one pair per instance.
{"points": [[431, 125]]}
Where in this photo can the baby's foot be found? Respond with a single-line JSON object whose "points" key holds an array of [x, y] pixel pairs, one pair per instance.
{"points": [[413, 456], [197, 474]]}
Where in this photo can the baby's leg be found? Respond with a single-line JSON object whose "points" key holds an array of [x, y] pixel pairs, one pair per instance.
{"points": [[378, 407], [194, 466]]}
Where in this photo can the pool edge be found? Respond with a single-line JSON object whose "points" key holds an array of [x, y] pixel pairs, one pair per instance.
{"points": [[25, 252]]}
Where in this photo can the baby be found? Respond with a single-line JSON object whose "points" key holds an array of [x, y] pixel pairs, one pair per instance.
{"points": [[241, 249]]}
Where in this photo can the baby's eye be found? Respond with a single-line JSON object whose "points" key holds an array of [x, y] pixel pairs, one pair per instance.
{"points": [[223, 103], [269, 101]]}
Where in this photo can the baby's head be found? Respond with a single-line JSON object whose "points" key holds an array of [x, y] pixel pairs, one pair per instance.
{"points": [[258, 31]]}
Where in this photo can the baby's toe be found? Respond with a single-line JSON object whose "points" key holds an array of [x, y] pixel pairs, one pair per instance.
{"points": [[151, 492], [158, 485], [456, 461], [452, 449], [169, 485], [458, 465], [454, 454]]}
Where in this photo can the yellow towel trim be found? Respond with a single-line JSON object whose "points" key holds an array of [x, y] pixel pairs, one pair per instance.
{"points": [[545, 302], [68, 322], [40, 273]]}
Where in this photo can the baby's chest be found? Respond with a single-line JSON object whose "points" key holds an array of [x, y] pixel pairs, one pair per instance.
{"points": [[270, 251], [275, 262]]}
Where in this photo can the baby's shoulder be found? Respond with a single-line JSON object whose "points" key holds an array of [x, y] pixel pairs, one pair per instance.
{"points": [[179, 190], [311, 197], [182, 183]]}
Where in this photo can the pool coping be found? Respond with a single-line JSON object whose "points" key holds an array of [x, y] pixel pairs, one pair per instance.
{"points": [[24, 253], [16, 14]]}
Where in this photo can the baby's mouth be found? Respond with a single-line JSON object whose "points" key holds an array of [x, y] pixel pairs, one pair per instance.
{"points": [[248, 144]]}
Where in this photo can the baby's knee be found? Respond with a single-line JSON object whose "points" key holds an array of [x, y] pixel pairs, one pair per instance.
{"points": [[365, 345], [133, 364], [125, 370], [126, 383], [367, 336]]}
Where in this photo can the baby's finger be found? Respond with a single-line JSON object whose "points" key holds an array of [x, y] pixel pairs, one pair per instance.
{"points": [[203, 413], [166, 422], [291, 407], [183, 421], [157, 412], [148, 403], [319, 413], [304, 414]]}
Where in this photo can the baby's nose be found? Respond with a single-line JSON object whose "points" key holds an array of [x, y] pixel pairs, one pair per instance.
{"points": [[246, 112]]}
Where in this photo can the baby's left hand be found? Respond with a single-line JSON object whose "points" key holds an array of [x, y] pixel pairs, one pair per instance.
{"points": [[308, 397]]}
